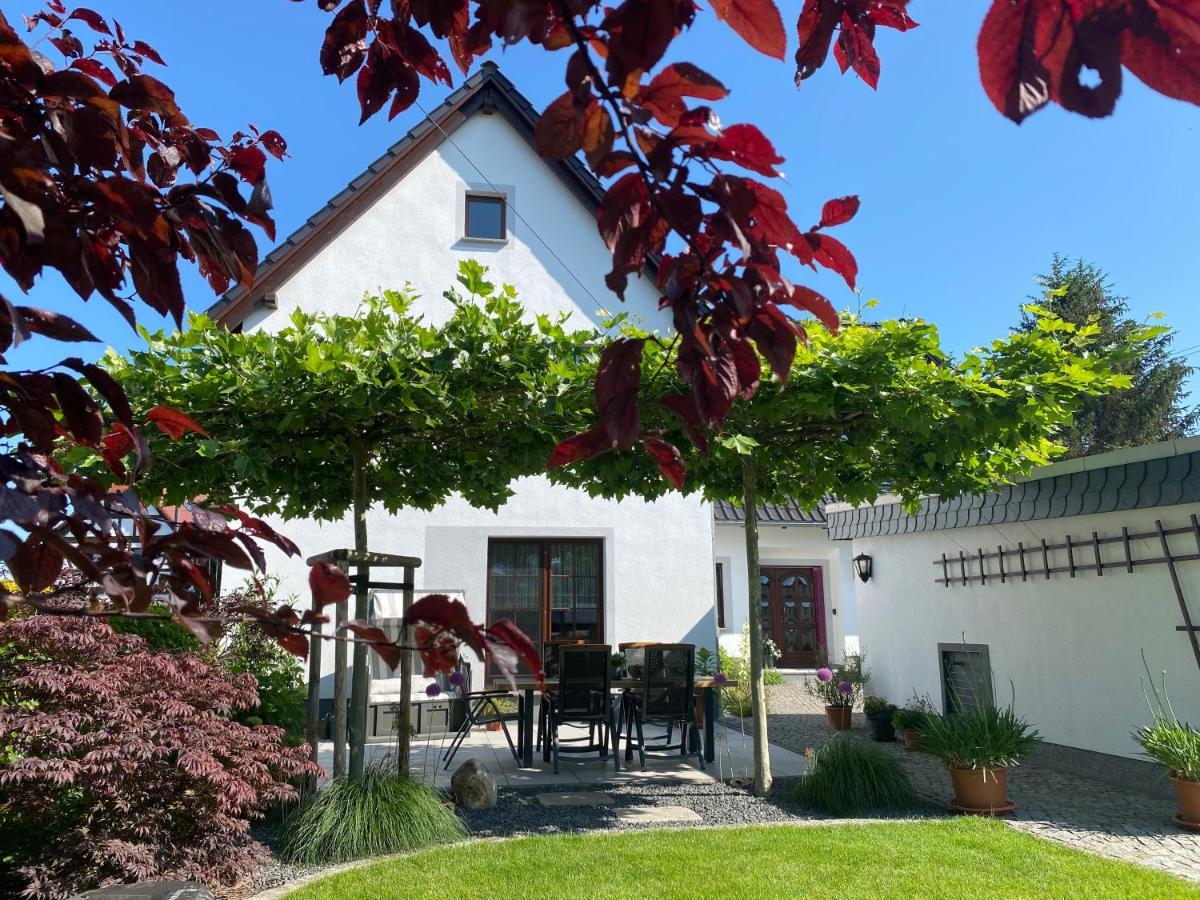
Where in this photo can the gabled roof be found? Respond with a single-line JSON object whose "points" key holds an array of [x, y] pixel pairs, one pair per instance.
{"points": [[789, 513], [487, 91]]}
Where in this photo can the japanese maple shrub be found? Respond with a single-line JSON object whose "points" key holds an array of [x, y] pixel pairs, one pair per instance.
{"points": [[127, 762]]}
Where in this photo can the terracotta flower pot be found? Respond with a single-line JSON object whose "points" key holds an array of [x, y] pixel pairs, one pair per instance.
{"points": [[493, 726], [981, 792], [838, 717], [1187, 795], [912, 739]]}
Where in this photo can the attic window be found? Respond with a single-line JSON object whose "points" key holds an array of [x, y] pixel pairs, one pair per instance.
{"points": [[486, 217]]}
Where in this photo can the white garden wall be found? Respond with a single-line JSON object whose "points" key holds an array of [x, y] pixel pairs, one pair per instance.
{"points": [[1070, 646]]}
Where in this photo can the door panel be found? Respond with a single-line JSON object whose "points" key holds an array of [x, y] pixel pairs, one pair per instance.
{"points": [[793, 613]]}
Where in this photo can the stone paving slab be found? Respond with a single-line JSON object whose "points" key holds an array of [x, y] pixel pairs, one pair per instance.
{"points": [[656, 815], [575, 798], [1070, 809]]}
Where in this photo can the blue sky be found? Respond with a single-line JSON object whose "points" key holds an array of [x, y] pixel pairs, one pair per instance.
{"points": [[960, 207]]}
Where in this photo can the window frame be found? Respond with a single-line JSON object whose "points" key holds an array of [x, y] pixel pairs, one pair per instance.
{"points": [[546, 576], [494, 196]]}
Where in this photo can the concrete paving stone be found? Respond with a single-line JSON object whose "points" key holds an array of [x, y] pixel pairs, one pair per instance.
{"points": [[575, 798], [655, 815]]}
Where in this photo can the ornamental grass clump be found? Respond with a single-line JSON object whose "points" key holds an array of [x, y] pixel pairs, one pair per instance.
{"points": [[354, 819], [1166, 739], [848, 777], [983, 737]]}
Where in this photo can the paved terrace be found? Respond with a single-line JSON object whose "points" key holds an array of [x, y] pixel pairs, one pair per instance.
{"points": [[734, 761]]}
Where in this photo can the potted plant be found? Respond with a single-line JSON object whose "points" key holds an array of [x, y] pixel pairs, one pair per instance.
{"points": [[1176, 745], [839, 688], [879, 714], [504, 706], [910, 718], [978, 746], [619, 665]]}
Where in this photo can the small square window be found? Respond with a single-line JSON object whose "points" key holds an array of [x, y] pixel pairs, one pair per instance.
{"points": [[486, 217]]}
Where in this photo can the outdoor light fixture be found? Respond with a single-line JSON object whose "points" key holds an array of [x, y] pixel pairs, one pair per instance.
{"points": [[862, 563]]}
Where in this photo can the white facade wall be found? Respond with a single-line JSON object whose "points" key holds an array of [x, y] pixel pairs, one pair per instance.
{"points": [[658, 579], [1070, 646], [793, 545]]}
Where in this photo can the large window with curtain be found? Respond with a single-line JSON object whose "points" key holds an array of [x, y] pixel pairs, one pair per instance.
{"points": [[552, 589]]}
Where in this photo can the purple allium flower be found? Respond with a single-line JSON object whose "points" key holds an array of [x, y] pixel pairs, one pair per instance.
{"points": [[433, 690], [825, 675], [846, 688], [458, 679], [719, 678]]}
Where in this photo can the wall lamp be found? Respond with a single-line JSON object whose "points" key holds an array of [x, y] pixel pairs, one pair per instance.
{"points": [[862, 564]]}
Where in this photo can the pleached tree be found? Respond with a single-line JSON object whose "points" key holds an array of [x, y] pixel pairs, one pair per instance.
{"points": [[873, 409], [336, 413]]}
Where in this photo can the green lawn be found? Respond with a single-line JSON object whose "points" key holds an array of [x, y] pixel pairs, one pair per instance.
{"points": [[953, 858]]}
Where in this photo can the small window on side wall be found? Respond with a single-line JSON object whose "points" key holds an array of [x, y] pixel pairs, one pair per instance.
{"points": [[486, 217]]}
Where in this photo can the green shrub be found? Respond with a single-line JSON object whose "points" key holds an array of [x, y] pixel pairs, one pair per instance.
{"points": [[981, 738], [772, 677], [1167, 740], [282, 698], [159, 634], [383, 813], [849, 777]]}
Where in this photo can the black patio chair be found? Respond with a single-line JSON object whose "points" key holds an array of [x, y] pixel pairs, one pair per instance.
{"points": [[582, 698], [480, 709], [665, 699]]}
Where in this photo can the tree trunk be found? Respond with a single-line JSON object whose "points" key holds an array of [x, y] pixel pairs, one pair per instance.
{"points": [[758, 695], [404, 741], [361, 683], [339, 691]]}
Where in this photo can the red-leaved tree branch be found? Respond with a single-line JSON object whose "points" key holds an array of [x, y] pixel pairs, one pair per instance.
{"points": [[104, 179], [686, 195]]}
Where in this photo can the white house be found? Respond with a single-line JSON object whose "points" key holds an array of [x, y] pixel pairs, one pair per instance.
{"points": [[467, 183], [804, 584], [1056, 584]]}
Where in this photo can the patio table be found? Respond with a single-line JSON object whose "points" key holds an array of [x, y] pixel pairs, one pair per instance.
{"points": [[705, 686]]}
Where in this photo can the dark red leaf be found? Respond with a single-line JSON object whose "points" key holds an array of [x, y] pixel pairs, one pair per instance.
{"points": [[617, 382], [832, 253], [145, 92], [810, 301], [746, 146], [53, 325], [174, 423], [559, 130], [94, 20], [839, 211], [274, 143], [376, 639], [328, 584], [36, 565], [757, 21], [259, 528], [1022, 47], [582, 446], [1167, 56], [440, 613], [345, 48], [663, 97], [507, 646], [80, 411], [249, 162], [668, 459], [684, 406]]}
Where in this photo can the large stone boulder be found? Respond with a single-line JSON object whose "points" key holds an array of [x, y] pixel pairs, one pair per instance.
{"points": [[473, 786]]}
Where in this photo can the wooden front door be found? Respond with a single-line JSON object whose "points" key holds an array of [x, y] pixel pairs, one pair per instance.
{"points": [[793, 614]]}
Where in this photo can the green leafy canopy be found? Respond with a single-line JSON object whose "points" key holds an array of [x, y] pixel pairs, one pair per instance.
{"points": [[881, 407], [463, 407]]}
